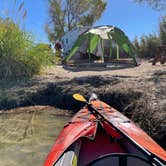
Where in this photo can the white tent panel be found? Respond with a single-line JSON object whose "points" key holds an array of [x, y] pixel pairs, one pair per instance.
{"points": [[102, 31]]}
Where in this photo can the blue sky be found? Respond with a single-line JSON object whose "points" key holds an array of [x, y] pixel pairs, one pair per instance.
{"points": [[134, 19]]}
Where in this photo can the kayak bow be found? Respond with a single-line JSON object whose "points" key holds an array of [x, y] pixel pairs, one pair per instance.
{"points": [[100, 135]]}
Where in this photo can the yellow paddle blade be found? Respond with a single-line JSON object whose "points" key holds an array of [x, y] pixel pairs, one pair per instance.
{"points": [[79, 97]]}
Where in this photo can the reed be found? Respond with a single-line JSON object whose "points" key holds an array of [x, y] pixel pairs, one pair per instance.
{"points": [[19, 55]]}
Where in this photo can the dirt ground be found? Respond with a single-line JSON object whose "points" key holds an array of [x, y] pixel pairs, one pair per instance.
{"points": [[138, 92], [66, 80], [144, 70]]}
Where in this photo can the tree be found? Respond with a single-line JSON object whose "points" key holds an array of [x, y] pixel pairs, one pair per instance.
{"points": [[146, 47], [156, 4], [162, 30], [68, 14]]}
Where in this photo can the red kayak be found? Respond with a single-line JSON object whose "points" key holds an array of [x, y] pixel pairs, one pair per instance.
{"points": [[99, 135]]}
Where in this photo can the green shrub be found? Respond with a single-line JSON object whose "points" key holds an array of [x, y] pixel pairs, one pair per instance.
{"points": [[13, 41], [43, 53], [19, 56]]}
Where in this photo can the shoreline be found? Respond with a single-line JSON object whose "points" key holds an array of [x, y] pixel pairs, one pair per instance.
{"points": [[138, 95]]}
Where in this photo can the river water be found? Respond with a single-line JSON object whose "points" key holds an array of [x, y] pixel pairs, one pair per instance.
{"points": [[26, 138]]}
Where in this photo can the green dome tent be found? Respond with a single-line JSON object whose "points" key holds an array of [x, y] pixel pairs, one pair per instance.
{"points": [[104, 43]]}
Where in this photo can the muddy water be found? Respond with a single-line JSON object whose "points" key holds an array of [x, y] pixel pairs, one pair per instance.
{"points": [[26, 138]]}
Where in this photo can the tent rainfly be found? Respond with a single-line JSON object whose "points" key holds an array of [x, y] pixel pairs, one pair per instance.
{"points": [[103, 43]]}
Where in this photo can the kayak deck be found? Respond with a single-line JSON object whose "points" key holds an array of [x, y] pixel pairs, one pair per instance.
{"points": [[87, 138]]}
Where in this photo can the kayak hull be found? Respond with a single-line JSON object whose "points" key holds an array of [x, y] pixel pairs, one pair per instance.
{"points": [[88, 137]]}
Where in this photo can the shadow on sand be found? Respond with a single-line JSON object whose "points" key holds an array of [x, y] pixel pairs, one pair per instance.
{"points": [[97, 67]]}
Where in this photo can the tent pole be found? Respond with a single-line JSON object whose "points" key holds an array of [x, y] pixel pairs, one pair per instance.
{"points": [[110, 40], [89, 36], [117, 55], [110, 55], [102, 46]]}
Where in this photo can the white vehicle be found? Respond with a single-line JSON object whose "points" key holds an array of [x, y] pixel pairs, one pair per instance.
{"points": [[70, 37]]}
